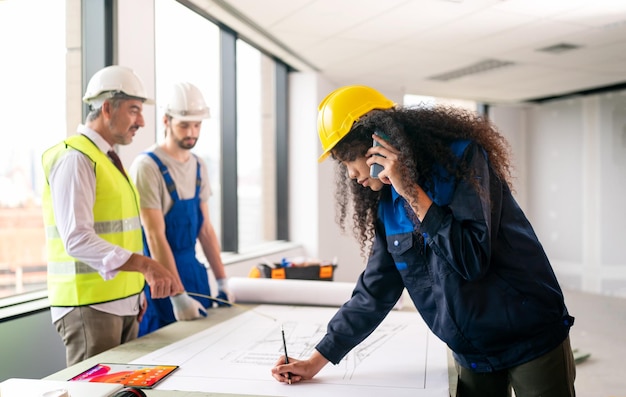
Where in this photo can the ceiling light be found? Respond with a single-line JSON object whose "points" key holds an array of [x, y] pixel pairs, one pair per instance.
{"points": [[480, 67], [559, 48]]}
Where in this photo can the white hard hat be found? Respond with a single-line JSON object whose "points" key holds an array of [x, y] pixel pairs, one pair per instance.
{"points": [[186, 103], [111, 80]]}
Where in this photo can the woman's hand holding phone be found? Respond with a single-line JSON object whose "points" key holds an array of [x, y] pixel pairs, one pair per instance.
{"points": [[376, 168]]}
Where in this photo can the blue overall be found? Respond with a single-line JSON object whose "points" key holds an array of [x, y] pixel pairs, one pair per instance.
{"points": [[182, 225]]}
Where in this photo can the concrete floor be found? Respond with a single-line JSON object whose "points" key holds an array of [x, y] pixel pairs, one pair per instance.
{"points": [[600, 330]]}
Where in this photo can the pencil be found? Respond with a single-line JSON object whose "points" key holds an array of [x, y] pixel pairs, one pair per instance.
{"points": [[282, 330]]}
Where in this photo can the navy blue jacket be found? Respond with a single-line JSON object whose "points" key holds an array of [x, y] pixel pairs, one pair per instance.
{"points": [[475, 271]]}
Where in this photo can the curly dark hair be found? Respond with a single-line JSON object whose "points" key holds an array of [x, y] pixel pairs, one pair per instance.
{"points": [[423, 135]]}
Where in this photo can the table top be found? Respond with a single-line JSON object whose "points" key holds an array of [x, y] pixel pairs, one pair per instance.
{"points": [[172, 333]]}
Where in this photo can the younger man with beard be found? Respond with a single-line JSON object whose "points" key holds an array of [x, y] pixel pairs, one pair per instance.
{"points": [[174, 189]]}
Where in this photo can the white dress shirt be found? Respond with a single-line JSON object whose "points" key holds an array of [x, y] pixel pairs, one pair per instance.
{"points": [[73, 190]]}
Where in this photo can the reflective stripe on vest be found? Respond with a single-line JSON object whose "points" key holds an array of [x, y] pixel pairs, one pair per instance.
{"points": [[116, 220]]}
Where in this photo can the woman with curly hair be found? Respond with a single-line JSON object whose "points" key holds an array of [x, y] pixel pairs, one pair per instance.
{"points": [[440, 220]]}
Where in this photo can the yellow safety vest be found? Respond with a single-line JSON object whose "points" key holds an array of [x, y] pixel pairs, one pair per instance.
{"points": [[116, 220]]}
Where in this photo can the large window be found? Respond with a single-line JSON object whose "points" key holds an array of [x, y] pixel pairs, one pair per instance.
{"points": [[40, 77], [243, 103], [256, 147], [187, 49]]}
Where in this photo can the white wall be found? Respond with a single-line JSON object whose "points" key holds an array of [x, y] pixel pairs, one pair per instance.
{"points": [[511, 123], [571, 158], [311, 184]]}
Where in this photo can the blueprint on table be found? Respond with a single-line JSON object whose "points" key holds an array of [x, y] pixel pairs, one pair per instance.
{"points": [[401, 357]]}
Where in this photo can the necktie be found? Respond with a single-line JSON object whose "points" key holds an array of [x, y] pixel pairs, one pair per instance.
{"points": [[117, 161]]}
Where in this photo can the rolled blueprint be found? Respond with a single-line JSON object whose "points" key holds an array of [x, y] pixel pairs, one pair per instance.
{"points": [[290, 291]]}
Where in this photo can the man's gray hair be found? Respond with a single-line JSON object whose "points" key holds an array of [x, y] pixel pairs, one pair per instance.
{"points": [[114, 98]]}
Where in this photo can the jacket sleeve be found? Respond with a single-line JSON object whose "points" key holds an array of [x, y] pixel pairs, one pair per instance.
{"points": [[460, 233], [377, 290]]}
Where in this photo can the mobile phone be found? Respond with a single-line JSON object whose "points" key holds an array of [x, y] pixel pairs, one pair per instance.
{"points": [[376, 168]]}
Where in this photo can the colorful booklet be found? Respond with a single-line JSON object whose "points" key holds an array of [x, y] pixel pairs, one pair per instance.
{"points": [[129, 375]]}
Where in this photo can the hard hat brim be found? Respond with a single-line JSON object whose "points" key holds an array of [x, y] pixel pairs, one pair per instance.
{"points": [[324, 156], [103, 96], [188, 118]]}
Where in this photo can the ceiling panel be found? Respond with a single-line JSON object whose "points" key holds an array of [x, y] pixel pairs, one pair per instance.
{"points": [[397, 45], [272, 12]]}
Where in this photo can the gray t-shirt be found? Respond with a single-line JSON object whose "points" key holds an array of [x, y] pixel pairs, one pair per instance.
{"points": [[151, 185]]}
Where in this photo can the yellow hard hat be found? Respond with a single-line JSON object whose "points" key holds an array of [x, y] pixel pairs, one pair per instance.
{"points": [[341, 108]]}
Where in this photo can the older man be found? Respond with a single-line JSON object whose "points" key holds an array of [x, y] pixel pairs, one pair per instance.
{"points": [[96, 272]]}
